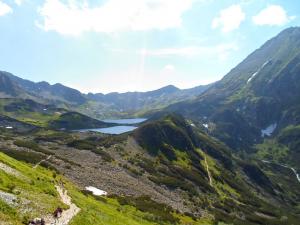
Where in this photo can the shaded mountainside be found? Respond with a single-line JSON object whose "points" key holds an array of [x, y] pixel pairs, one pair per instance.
{"points": [[74, 120], [17, 126], [259, 97], [30, 113], [45, 92], [233, 190]]}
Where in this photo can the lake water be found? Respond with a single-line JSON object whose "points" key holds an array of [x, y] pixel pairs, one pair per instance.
{"points": [[111, 130], [118, 129], [126, 121]]}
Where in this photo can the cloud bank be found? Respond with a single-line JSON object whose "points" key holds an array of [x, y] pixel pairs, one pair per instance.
{"points": [[229, 19], [5, 9], [273, 15], [73, 18]]}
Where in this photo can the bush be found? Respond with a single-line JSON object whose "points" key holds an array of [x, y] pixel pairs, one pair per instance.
{"points": [[82, 144], [104, 155], [173, 183], [57, 136], [31, 145], [160, 212], [28, 157]]}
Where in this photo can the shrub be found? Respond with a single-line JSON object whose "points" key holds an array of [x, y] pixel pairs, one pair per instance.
{"points": [[31, 145], [28, 157], [161, 212], [173, 183], [82, 144]]}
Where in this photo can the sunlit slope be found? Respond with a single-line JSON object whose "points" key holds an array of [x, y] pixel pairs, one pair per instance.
{"points": [[28, 192]]}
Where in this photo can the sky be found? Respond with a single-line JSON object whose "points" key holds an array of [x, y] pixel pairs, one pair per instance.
{"points": [[135, 45]]}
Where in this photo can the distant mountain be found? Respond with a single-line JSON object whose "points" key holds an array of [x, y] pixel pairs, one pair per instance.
{"points": [[74, 120], [42, 91], [95, 105], [256, 99], [142, 101], [8, 88]]}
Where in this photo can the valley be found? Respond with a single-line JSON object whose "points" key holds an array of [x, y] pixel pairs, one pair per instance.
{"points": [[220, 154]]}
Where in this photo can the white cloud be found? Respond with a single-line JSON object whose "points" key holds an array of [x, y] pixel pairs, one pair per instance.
{"points": [[73, 18], [273, 15], [229, 19], [5, 9], [169, 67], [19, 2]]}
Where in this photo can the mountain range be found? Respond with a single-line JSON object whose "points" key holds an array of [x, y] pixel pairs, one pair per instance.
{"points": [[225, 153], [257, 99], [96, 105]]}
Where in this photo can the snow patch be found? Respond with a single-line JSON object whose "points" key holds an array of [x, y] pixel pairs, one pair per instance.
{"points": [[295, 172], [205, 125], [193, 125], [8, 127], [96, 191], [254, 74], [269, 130]]}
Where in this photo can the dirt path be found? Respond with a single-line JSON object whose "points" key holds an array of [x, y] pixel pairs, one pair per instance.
{"points": [[208, 172], [67, 215], [36, 165]]}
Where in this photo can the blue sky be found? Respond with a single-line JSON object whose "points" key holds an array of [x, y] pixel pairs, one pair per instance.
{"points": [[135, 45]]}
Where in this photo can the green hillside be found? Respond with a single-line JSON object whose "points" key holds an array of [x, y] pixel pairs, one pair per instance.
{"points": [[256, 101], [33, 195]]}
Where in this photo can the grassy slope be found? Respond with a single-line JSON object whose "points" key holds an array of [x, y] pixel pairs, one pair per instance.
{"points": [[28, 112], [282, 148], [45, 116], [37, 185], [230, 190], [34, 185]]}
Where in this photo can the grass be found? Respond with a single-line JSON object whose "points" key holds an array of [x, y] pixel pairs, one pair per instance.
{"points": [[8, 213], [270, 149], [35, 191], [129, 212], [182, 159], [37, 186]]}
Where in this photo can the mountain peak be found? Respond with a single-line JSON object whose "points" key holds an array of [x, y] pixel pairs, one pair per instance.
{"points": [[170, 88]]}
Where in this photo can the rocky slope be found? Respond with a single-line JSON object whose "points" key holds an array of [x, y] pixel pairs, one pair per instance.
{"points": [[28, 193], [173, 163]]}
